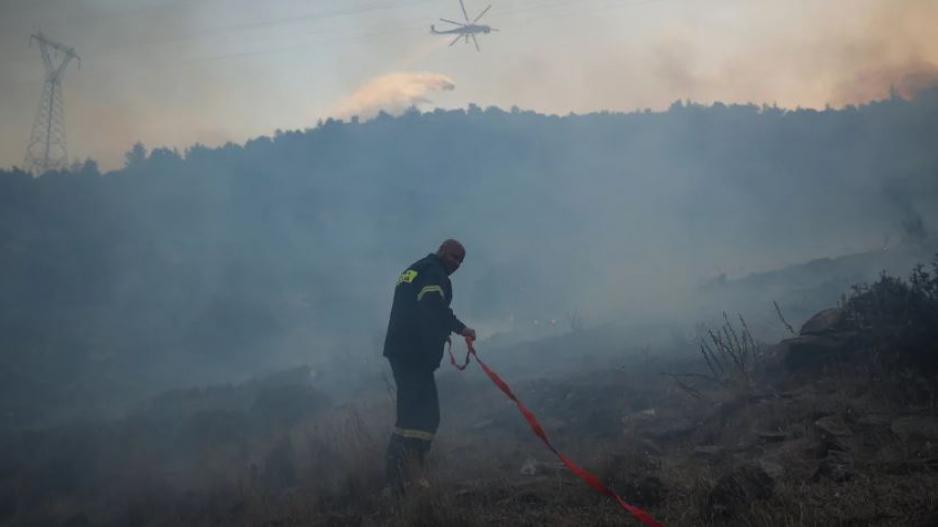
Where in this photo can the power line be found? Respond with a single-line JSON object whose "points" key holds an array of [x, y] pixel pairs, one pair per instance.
{"points": [[542, 6], [47, 148], [606, 5], [282, 21]]}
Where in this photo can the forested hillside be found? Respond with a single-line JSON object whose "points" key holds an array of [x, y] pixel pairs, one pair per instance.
{"points": [[217, 263]]}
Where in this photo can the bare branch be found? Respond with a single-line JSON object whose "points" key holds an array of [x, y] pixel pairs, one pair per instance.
{"points": [[778, 310]]}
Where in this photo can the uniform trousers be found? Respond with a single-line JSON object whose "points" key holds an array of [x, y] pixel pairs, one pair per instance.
{"points": [[418, 416]]}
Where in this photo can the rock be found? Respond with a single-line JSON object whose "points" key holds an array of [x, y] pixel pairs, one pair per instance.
{"points": [[774, 470], [533, 467], [709, 451], [643, 416], [738, 489], [832, 426], [529, 467], [814, 351], [826, 321], [915, 427]]}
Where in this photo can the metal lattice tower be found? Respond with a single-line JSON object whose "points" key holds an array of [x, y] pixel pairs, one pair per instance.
{"points": [[47, 149]]}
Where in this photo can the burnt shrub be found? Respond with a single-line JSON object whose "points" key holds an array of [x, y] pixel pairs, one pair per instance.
{"points": [[896, 320]]}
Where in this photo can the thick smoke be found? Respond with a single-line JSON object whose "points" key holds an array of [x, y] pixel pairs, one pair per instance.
{"points": [[393, 93], [904, 80], [794, 54], [888, 51]]}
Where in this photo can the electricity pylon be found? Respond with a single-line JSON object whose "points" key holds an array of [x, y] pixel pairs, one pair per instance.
{"points": [[47, 150]]}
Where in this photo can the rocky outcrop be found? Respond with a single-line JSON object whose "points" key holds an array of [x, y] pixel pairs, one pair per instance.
{"points": [[823, 339], [824, 322], [810, 352]]}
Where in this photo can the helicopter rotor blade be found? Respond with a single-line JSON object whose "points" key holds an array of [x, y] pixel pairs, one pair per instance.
{"points": [[484, 11], [464, 14], [493, 29], [476, 42], [452, 22], [455, 40]]}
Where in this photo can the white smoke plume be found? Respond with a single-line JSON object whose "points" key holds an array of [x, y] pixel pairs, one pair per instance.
{"points": [[393, 93]]}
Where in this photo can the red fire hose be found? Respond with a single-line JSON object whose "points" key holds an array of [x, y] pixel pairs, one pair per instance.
{"points": [[581, 473]]}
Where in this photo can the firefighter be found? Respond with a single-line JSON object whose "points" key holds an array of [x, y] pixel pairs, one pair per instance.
{"points": [[421, 322]]}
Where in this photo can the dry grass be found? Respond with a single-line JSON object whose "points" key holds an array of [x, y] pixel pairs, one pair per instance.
{"points": [[327, 470]]}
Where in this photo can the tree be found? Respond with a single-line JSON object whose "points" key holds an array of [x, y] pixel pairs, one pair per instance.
{"points": [[135, 157]]}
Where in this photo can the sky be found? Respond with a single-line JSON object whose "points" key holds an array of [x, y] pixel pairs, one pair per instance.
{"points": [[178, 72]]}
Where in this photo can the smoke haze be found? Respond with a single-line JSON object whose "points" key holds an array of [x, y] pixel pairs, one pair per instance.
{"points": [[192, 313], [178, 73]]}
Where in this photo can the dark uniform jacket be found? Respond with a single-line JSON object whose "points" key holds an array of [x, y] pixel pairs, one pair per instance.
{"points": [[421, 319]]}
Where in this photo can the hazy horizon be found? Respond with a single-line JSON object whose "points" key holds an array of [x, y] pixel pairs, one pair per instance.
{"points": [[174, 74]]}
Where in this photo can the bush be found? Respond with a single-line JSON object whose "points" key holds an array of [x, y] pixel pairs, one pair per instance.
{"points": [[732, 357], [897, 320]]}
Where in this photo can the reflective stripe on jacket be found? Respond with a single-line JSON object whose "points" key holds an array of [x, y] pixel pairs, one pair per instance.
{"points": [[421, 319]]}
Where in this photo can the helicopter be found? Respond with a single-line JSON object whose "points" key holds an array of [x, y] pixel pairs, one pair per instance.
{"points": [[467, 29]]}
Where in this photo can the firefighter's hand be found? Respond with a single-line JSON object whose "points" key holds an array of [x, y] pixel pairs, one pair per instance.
{"points": [[469, 333]]}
